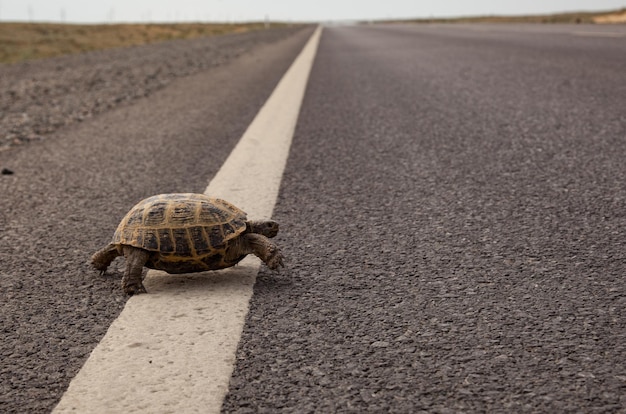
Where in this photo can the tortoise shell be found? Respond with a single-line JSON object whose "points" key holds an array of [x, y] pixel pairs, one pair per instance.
{"points": [[186, 232]]}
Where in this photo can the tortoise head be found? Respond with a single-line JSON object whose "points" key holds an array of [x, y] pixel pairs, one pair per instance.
{"points": [[268, 228]]}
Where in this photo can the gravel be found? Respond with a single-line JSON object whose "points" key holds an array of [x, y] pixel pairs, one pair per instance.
{"points": [[68, 192], [38, 97]]}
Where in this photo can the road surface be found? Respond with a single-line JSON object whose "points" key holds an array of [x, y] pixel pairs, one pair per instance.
{"points": [[452, 212], [455, 214]]}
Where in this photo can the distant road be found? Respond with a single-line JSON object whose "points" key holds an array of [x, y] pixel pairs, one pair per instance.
{"points": [[452, 213]]}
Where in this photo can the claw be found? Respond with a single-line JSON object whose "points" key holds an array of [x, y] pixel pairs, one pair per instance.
{"points": [[276, 261], [135, 289]]}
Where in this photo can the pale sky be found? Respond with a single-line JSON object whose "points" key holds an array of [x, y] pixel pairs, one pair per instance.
{"points": [[96, 11]]}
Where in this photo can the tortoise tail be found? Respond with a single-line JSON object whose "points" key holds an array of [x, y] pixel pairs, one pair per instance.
{"points": [[103, 257]]}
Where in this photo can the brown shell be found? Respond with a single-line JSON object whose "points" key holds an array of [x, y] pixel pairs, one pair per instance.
{"points": [[182, 228]]}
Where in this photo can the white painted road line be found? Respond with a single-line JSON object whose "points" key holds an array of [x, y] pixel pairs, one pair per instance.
{"points": [[173, 350]]}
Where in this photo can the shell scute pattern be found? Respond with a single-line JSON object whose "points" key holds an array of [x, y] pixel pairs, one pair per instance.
{"points": [[166, 241], [198, 235], [182, 226], [145, 238], [152, 215], [216, 238], [182, 242], [135, 219]]}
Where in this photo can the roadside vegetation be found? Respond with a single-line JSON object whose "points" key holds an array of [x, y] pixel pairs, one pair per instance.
{"points": [[25, 41], [616, 16]]}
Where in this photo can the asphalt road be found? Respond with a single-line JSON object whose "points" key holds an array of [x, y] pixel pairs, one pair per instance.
{"points": [[452, 214], [68, 192], [454, 217]]}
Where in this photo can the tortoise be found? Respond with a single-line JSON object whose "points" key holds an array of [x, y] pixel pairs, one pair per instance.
{"points": [[185, 233]]}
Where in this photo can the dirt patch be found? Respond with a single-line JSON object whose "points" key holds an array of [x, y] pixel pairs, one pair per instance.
{"points": [[26, 41], [612, 18], [617, 16]]}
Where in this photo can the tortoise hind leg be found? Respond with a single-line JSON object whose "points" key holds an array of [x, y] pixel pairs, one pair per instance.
{"points": [[135, 261], [103, 257], [260, 246]]}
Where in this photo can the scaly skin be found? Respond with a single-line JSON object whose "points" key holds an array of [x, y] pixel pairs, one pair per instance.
{"points": [[103, 257], [135, 260], [255, 242], [258, 245]]}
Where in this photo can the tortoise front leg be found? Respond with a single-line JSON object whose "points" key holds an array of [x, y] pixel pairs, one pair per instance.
{"points": [[135, 261], [103, 257], [260, 246]]}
